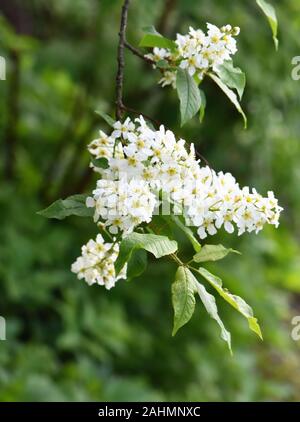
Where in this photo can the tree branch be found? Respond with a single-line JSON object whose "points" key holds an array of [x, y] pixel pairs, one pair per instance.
{"points": [[120, 107], [121, 61], [202, 158], [137, 53]]}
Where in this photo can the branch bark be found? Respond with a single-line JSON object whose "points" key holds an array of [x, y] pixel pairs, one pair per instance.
{"points": [[121, 61], [137, 53], [120, 107]]}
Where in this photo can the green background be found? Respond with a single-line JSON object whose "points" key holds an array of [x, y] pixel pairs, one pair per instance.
{"points": [[68, 341]]}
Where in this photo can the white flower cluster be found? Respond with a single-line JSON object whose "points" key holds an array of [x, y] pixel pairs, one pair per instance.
{"points": [[96, 264], [147, 165], [220, 202], [102, 147], [197, 52], [122, 205], [151, 162]]}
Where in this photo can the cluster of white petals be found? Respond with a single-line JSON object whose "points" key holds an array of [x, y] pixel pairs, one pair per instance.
{"points": [[122, 205], [96, 263], [151, 164], [147, 169], [198, 52], [144, 172], [101, 147]]}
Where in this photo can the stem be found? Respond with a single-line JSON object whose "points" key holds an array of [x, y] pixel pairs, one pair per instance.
{"points": [[107, 233], [177, 260], [172, 256], [202, 158], [137, 53], [110, 249], [120, 107], [121, 61]]}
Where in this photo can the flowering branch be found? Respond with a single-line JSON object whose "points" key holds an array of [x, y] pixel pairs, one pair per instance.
{"points": [[121, 61], [149, 179], [120, 107]]}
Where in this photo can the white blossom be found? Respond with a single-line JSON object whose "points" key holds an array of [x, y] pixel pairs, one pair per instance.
{"points": [[123, 129], [150, 165], [154, 161], [197, 52], [102, 146], [96, 263], [169, 78], [122, 204]]}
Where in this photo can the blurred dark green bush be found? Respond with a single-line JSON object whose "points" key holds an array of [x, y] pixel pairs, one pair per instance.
{"points": [[68, 341]]}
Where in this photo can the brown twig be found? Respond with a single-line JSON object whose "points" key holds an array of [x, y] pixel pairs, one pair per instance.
{"points": [[202, 158], [137, 53], [121, 61], [120, 107]]}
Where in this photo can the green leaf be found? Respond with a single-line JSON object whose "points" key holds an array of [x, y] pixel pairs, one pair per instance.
{"points": [[270, 13], [157, 245], [203, 105], [152, 38], [189, 95], [150, 29], [230, 94], [183, 298], [188, 232], [100, 162], [62, 208], [235, 301], [232, 76], [210, 305], [212, 253], [109, 120], [137, 264]]}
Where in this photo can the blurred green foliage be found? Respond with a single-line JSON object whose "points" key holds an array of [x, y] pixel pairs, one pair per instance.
{"points": [[68, 341]]}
